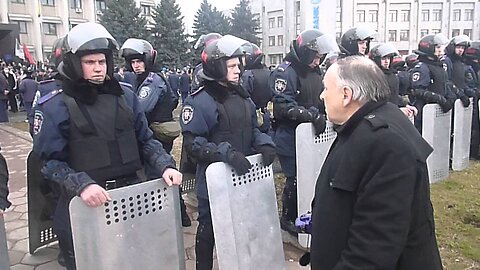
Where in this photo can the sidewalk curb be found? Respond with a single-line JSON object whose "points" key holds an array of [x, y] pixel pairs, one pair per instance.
{"points": [[17, 132]]}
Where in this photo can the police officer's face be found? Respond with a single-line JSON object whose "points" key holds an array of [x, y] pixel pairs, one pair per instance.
{"points": [[362, 46], [385, 62], [94, 67], [439, 49], [233, 70], [138, 66], [316, 61], [459, 50]]}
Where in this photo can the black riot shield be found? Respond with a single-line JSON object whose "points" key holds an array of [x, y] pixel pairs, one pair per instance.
{"points": [[42, 199]]}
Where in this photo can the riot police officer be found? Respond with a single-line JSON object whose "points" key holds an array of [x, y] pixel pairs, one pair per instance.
{"points": [[156, 99], [201, 43], [456, 67], [429, 78], [84, 134], [472, 56], [297, 84], [383, 54], [255, 81], [356, 41], [219, 124]]}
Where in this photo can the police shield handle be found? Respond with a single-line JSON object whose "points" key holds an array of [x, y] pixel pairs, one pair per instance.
{"points": [[94, 195], [172, 177]]}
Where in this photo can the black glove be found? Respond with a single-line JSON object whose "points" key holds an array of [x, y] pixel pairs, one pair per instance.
{"points": [[268, 154], [299, 114], [465, 101], [446, 106], [434, 98], [319, 123], [239, 162]]}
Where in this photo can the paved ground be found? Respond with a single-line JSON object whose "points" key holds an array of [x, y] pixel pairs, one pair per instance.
{"points": [[15, 146]]}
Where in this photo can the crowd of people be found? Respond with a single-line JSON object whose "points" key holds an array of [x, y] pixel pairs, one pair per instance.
{"points": [[372, 204]]}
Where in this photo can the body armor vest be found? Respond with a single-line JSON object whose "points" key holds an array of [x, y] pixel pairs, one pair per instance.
{"points": [[458, 74], [104, 149], [438, 77], [394, 85], [234, 123], [309, 89], [163, 110], [261, 93]]}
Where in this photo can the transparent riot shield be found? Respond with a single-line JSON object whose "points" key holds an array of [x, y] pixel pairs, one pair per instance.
{"points": [[462, 128], [311, 153], [41, 206], [436, 131], [4, 260], [139, 229], [245, 217]]}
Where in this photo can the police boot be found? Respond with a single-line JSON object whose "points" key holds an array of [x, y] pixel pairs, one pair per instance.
{"points": [[289, 206], [183, 211], [204, 247], [66, 256]]}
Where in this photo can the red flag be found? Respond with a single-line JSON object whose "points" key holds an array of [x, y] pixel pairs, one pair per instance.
{"points": [[28, 55]]}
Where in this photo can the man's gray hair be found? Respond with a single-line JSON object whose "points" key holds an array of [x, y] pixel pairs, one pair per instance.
{"points": [[364, 77]]}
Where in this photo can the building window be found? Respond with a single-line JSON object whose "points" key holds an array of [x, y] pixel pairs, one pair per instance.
{"points": [[271, 41], [455, 32], [393, 15], [23, 27], [280, 40], [50, 29], [373, 16], [100, 5], [437, 15], [435, 31], [423, 32], [18, 1], [48, 3], [392, 35], [271, 23], [467, 32], [456, 15], [146, 10], [280, 21], [360, 15], [425, 15], [273, 59], [74, 4], [468, 14], [405, 15], [404, 35]]}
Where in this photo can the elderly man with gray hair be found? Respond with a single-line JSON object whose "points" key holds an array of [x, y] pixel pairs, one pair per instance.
{"points": [[372, 206]]}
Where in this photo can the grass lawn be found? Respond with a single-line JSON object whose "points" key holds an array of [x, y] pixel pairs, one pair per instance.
{"points": [[457, 213]]}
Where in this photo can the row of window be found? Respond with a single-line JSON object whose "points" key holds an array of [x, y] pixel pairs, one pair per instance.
{"points": [[47, 28], [271, 40], [74, 4], [393, 15], [404, 35], [271, 22]]}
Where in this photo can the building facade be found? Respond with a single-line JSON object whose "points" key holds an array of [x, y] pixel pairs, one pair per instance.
{"points": [[41, 22], [400, 22]]}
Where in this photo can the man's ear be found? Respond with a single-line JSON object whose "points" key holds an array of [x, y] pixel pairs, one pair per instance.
{"points": [[347, 95]]}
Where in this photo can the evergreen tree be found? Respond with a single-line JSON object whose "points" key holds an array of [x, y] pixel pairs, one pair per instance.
{"points": [[123, 19], [168, 35], [208, 20], [244, 25]]}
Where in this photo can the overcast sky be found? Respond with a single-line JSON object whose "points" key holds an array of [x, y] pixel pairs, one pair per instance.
{"points": [[190, 7]]}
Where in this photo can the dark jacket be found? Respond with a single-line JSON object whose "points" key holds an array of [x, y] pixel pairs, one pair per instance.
{"points": [[4, 86], [28, 87], [4, 203], [372, 206]]}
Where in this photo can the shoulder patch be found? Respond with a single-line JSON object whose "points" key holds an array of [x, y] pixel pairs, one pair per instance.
{"points": [[144, 92], [47, 81], [283, 66], [416, 76], [375, 122], [418, 65], [280, 85], [445, 66], [49, 96], [37, 122], [187, 114]]}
